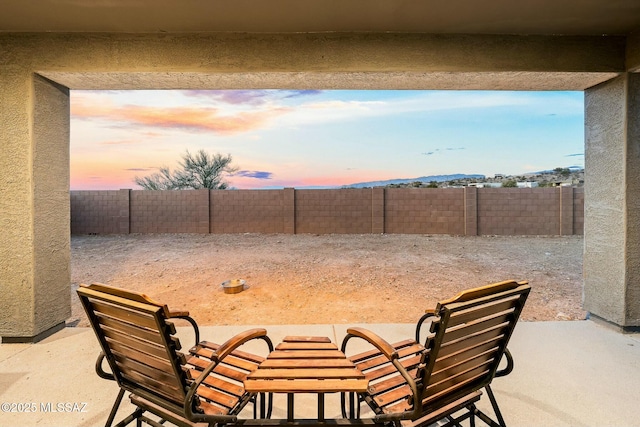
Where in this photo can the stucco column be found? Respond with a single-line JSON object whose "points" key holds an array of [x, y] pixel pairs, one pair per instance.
{"points": [[612, 201], [34, 206]]}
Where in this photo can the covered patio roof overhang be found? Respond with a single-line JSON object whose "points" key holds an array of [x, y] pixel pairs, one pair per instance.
{"points": [[59, 45]]}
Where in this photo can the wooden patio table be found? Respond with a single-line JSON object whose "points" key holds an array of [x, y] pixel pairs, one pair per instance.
{"points": [[304, 364]]}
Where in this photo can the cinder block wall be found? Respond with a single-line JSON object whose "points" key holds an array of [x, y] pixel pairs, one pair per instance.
{"points": [[454, 211], [170, 211], [247, 211], [345, 211], [578, 211], [424, 211], [519, 211], [100, 212]]}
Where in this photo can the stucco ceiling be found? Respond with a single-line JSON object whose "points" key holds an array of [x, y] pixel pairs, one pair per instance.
{"points": [[545, 17]]}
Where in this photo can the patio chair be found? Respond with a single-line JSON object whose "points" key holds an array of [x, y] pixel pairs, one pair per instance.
{"points": [[440, 380], [137, 336]]}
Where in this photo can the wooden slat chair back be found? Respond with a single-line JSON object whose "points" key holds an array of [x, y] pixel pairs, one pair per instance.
{"points": [[467, 339], [138, 341], [470, 339]]}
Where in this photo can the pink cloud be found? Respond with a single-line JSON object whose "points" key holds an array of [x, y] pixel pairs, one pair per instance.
{"points": [[188, 118]]}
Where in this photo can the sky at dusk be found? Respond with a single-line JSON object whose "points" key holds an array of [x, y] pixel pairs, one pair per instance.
{"points": [[311, 138]]}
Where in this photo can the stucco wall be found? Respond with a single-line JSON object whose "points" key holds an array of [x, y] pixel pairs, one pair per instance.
{"points": [[632, 297], [34, 204], [605, 198], [612, 205], [50, 161], [353, 61], [17, 264]]}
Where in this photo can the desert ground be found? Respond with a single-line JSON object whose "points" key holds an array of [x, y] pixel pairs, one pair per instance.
{"points": [[327, 279]]}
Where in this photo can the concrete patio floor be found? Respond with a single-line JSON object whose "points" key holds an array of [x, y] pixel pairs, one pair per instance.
{"points": [[566, 374]]}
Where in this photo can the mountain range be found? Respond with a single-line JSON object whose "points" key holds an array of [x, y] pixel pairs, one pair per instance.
{"points": [[425, 179]]}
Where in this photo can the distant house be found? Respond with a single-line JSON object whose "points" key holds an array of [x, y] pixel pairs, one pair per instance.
{"points": [[560, 184], [527, 184], [485, 184]]}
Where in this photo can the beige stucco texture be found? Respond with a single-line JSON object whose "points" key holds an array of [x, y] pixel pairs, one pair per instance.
{"points": [[612, 216], [36, 71]]}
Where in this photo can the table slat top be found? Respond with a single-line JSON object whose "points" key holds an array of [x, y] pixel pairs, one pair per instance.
{"points": [[306, 354], [306, 365], [306, 346], [293, 338], [306, 373], [306, 386]]}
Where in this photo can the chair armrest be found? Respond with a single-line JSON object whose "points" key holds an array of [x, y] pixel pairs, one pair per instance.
{"points": [[240, 339], [178, 314], [507, 370], [101, 372], [374, 339], [427, 315], [223, 351], [184, 315], [387, 349]]}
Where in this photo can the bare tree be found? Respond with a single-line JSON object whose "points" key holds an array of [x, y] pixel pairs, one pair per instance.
{"points": [[199, 171]]}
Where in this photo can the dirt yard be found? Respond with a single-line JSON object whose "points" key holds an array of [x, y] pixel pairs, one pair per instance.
{"points": [[306, 279]]}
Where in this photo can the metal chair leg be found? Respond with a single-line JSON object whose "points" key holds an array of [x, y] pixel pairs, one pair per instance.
{"points": [[135, 415], [494, 404], [115, 407]]}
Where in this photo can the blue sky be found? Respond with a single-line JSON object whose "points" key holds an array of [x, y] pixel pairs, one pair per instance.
{"points": [[292, 138]]}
